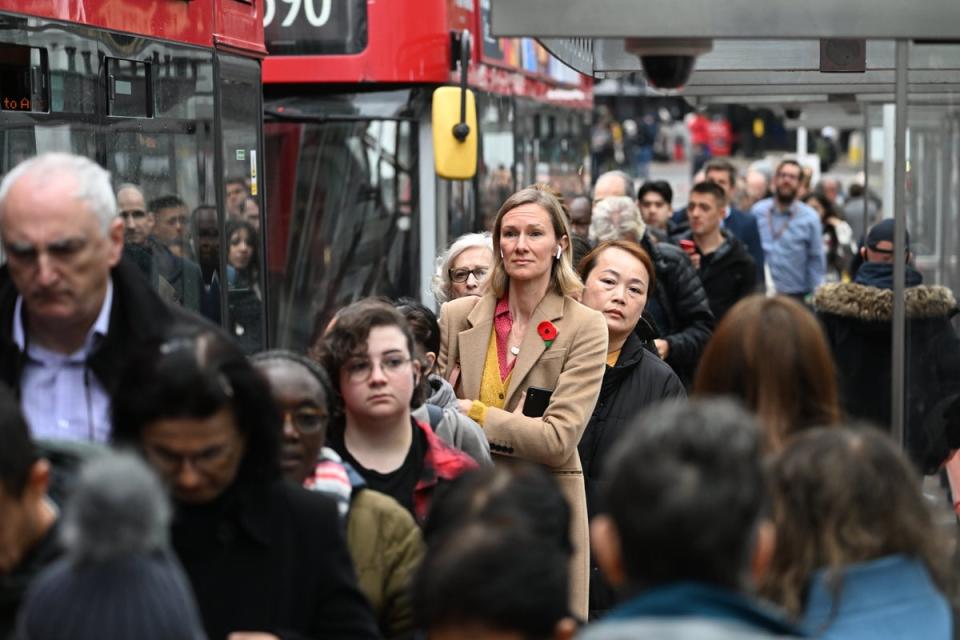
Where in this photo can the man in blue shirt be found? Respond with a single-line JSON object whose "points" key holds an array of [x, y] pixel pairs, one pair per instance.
{"points": [[791, 235]]}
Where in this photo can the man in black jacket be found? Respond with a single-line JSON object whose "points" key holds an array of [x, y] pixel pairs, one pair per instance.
{"points": [[726, 269], [857, 318], [679, 303], [70, 306]]}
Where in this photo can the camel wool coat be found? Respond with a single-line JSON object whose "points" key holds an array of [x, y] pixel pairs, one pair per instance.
{"points": [[572, 367]]}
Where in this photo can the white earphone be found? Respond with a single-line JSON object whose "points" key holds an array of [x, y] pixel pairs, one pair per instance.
{"points": [[559, 251]]}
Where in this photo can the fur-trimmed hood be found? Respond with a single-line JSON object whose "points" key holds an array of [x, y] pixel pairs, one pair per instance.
{"points": [[872, 304]]}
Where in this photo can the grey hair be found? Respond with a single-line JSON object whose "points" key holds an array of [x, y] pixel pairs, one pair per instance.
{"points": [[118, 508], [442, 284], [615, 217], [93, 181], [628, 185]]}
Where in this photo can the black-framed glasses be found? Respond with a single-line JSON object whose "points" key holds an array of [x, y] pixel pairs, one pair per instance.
{"points": [[360, 370], [136, 214], [306, 420], [462, 275]]}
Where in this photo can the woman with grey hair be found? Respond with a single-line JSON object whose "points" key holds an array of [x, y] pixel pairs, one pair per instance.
{"points": [[463, 268], [616, 218]]}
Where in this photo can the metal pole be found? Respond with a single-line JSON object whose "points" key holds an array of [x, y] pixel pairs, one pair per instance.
{"points": [[866, 173], [898, 388]]}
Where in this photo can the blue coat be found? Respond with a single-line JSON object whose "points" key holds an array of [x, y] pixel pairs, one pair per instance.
{"points": [[892, 598]]}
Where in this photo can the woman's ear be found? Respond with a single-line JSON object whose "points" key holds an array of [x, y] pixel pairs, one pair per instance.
{"points": [[430, 361]]}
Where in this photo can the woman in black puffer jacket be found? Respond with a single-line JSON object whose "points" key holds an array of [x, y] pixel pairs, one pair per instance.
{"points": [[618, 276]]}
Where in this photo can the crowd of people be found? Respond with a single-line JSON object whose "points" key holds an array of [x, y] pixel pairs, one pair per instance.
{"points": [[525, 464]]}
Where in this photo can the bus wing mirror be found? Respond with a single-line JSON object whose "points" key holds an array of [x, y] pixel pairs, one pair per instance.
{"points": [[454, 140]]}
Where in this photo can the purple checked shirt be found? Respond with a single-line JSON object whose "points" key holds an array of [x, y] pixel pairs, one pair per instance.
{"points": [[60, 396]]}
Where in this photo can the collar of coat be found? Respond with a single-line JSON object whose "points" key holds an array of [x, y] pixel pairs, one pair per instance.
{"points": [[862, 302], [473, 341]]}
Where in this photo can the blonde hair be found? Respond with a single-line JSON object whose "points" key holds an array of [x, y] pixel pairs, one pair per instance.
{"points": [[563, 278], [616, 217]]}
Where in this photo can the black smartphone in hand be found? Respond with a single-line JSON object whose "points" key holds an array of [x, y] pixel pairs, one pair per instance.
{"points": [[536, 401]]}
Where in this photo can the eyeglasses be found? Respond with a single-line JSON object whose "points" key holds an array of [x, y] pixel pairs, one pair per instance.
{"points": [[462, 275], [305, 420], [791, 176], [170, 462], [136, 214], [361, 370], [61, 250]]}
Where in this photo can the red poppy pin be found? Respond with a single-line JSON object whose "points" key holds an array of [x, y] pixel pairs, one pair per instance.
{"points": [[547, 332]]}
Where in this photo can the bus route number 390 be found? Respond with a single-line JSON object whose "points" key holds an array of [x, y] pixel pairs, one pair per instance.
{"points": [[309, 7]]}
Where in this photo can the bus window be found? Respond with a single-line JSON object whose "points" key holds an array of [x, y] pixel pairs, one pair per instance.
{"points": [[342, 219], [240, 113], [161, 180]]}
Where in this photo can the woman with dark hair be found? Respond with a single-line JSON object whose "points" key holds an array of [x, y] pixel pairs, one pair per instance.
{"points": [[771, 354], [497, 563], [262, 555], [384, 540], [839, 245], [440, 410], [857, 552], [528, 336], [618, 276], [243, 261], [370, 354]]}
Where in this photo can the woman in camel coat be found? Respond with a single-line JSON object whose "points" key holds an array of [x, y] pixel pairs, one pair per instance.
{"points": [[527, 331]]}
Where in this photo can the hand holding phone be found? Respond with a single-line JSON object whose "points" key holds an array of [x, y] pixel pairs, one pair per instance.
{"points": [[536, 402], [689, 246]]}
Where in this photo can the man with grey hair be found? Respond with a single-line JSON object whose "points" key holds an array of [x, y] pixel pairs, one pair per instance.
{"points": [[679, 303], [70, 305]]}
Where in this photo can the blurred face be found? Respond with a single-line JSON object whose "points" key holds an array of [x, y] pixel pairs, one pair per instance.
{"points": [[581, 212], [756, 185], [241, 249], [251, 212], [303, 402], [379, 383], [617, 287], [655, 210], [468, 272], [529, 243], [137, 221], [722, 178], [883, 252], [787, 182], [198, 457], [609, 186], [705, 214], [208, 238], [170, 224], [236, 192], [59, 257]]}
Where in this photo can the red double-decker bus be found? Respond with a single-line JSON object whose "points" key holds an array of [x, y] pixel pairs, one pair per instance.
{"points": [[354, 207], [166, 95]]}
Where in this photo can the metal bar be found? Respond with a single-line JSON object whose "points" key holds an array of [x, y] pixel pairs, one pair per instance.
{"points": [[866, 172], [898, 368], [771, 19]]}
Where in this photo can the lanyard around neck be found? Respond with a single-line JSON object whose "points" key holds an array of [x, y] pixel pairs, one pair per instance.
{"points": [[776, 233]]}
